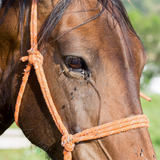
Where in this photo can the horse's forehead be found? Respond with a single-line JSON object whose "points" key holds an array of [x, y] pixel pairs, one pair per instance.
{"points": [[79, 13], [84, 39], [74, 30]]}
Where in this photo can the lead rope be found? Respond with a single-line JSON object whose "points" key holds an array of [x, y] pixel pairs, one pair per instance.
{"points": [[68, 141]]}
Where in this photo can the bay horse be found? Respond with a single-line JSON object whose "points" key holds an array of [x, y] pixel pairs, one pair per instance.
{"points": [[93, 60]]}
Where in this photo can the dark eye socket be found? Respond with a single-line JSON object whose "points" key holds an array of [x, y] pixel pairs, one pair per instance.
{"points": [[75, 63]]}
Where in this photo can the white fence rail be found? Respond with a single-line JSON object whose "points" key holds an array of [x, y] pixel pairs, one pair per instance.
{"points": [[13, 139]]}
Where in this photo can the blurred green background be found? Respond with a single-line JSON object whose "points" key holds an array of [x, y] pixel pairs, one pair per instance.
{"points": [[145, 17]]}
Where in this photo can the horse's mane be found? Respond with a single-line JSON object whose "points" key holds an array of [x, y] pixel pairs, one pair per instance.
{"points": [[115, 7]]}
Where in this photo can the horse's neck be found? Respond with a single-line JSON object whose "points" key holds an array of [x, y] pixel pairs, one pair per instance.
{"points": [[10, 52], [9, 57], [9, 42]]}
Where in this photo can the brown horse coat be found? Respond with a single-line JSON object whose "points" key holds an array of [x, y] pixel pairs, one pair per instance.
{"points": [[93, 72]]}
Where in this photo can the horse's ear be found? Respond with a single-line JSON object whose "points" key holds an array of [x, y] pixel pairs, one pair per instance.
{"points": [[6, 113]]}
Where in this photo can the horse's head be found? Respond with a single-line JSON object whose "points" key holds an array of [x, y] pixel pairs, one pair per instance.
{"points": [[93, 62]]}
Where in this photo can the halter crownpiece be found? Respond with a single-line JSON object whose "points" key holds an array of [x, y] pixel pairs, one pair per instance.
{"points": [[68, 141]]}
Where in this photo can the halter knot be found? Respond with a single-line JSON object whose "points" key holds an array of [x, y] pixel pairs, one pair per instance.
{"points": [[67, 142], [35, 56]]}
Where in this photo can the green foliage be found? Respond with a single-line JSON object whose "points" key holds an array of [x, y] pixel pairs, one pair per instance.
{"points": [[147, 28], [144, 6], [145, 18], [32, 153], [152, 110]]}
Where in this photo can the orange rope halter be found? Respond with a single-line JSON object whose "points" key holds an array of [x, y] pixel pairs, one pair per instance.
{"points": [[68, 141]]}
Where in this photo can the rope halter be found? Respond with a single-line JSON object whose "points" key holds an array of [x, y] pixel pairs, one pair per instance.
{"points": [[68, 141]]}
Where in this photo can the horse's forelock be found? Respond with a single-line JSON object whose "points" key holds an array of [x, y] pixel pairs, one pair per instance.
{"points": [[59, 10], [114, 6]]}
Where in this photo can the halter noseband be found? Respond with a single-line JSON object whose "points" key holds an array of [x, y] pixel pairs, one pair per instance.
{"points": [[68, 141]]}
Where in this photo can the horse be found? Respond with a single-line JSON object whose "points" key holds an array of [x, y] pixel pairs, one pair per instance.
{"points": [[93, 60]]}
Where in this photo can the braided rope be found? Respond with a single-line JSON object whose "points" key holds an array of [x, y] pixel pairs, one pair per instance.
{"points": [[68, 141], [123, 125]]}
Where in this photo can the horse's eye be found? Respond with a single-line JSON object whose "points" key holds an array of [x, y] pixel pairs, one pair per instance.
{"points": [[76, 67], [74, 62]]}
